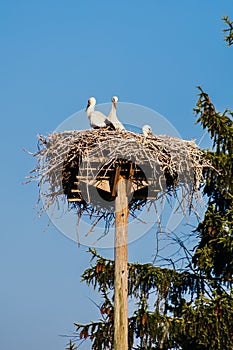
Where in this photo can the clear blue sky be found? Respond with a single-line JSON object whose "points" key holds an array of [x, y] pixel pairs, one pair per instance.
{"points": [[54, 55]]}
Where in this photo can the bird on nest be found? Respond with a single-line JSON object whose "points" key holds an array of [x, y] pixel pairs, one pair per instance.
{"points": [[113, 115], [96, 118], [147, 130]]}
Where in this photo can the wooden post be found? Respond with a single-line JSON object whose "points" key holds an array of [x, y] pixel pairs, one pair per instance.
{"points": [[121, 268]]}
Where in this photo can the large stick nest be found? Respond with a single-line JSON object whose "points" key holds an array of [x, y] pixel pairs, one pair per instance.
{"points": [[74, 164]]}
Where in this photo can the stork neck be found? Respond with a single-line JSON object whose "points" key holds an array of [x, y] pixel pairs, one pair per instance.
{"points": [[113, 109], [90, 109], [110, 113]]}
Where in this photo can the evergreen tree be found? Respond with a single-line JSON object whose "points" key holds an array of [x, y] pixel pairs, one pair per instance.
{"points": [[229, 30]]}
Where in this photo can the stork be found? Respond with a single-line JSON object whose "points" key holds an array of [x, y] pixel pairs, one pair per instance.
{"points": [[96, 118], [113, 116], [147, 130]]}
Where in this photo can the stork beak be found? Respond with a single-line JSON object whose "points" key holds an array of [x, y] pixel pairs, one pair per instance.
{"points": [[87, 106]]}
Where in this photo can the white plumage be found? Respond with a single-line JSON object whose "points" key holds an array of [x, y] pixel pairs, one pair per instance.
{"points": [[96, 118], [113, 116], [147, 130]]}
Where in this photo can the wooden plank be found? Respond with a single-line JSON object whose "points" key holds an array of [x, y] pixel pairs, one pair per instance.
{"points": [[84, 177], [116, 178], [129, 188], [136, 186], [103, 185], [87, 169], [96, 160], [100, 178], [121, 268], [74, 199]]}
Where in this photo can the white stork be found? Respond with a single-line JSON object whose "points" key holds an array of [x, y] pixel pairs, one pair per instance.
{"points": [[97, 119], [147, 130], [113, 116]]}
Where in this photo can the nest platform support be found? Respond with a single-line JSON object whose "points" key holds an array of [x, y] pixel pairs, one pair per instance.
{"points": [[121, 267]]}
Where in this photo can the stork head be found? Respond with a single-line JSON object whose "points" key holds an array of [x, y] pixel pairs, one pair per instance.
{"points": [[147, 130], [91, 102], [114, 100]]}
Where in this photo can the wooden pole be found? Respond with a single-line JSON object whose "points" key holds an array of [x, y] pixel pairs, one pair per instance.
{"points": [[121, 268]]}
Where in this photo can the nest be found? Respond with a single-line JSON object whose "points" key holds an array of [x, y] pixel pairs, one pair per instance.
{"points": [[83, 167]]}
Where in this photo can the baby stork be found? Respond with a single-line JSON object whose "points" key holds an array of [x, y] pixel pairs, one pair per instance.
{"points": [[147, 130]]}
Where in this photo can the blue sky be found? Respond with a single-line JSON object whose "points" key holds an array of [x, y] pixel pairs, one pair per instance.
{"points": [[54, 55]]}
